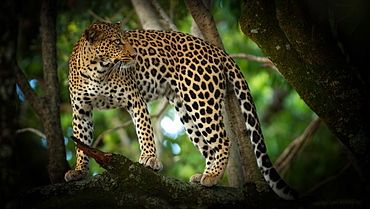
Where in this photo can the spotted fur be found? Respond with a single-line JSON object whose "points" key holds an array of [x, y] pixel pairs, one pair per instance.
{"points": [[111, 68]]}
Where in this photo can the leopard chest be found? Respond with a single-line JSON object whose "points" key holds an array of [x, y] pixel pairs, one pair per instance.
{"points": [[105, 95]]}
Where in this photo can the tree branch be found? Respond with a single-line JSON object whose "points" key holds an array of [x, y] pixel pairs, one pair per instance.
{"points": [[147, 16], [205, 22], [132, 179], [58, 164], [164, 16], [97, 16], [250, 57], [100, 137], [129, 184], [284, 160], [37, 103], [32, 130], [47, 108], [309, 59]]}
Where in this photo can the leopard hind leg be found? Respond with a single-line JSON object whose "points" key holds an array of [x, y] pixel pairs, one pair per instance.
{"points": [[208, 143]]}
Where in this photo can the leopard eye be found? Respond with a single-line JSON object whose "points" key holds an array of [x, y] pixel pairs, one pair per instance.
{"points": [[118, 41]]}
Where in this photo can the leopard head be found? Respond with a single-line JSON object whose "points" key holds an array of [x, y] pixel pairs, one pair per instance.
{"points": [[109, 43]]}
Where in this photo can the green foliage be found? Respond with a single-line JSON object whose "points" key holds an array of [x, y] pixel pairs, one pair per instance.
{"points": [[181, 159]]}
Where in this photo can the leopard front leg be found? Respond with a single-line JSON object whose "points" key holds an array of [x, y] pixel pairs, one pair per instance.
{"points": [[144, 130], [83, 129]]}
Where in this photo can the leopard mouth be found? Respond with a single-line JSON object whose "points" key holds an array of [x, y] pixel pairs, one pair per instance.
{"points": [[124, 64], [119, 68]]}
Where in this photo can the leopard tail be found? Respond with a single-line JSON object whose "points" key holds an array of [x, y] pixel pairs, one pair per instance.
{"points": [[242, 92]]}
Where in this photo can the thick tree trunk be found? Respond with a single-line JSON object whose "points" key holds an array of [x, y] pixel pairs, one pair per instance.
{"points": [[47, 108], [51, 119], [308, 57]]}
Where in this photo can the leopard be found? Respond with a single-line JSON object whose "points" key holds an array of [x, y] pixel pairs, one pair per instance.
{"points": [[114, 68]]}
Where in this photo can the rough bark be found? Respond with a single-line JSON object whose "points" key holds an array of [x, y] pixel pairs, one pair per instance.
{"points": [[205, 21], [309, 59], [53, 129], [116, 188]]}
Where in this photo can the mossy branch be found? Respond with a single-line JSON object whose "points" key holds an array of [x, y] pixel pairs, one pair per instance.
{"points": [[127, 184]]}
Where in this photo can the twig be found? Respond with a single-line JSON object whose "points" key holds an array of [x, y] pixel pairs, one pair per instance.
{"points": [[100, 137], [267, 62], [283, 162], [163, 14], [37, 103], [158, 134], [97, 16], [329, 179], [276, 103], [251, 57], [32, 130], [162, 109], [128, 17], [100, 157]]}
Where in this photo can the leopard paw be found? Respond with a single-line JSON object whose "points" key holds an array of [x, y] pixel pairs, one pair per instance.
{"points": [[75, 175], [151, 162], [196, 178], [209, 180]]}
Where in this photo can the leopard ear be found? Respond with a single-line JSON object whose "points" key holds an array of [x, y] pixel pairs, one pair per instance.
{"points": [[93, 35], [119, 23]]}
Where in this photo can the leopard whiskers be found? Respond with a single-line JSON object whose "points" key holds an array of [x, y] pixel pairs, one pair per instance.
{"points": [[111, 70], [122, 70], [119, 68], [124, 67]]}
